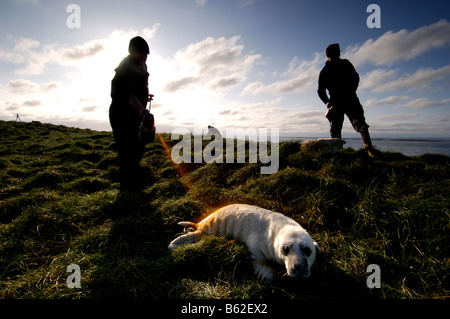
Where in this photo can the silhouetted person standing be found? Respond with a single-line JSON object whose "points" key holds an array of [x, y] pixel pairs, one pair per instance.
{"points": [[341, 80], [129, 93]]}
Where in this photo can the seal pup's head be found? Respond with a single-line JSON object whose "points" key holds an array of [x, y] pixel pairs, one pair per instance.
{"points": [[298, 251]]}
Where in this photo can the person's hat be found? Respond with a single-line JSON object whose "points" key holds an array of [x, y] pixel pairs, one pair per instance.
{"points": [[333, 48], [138, 44]]}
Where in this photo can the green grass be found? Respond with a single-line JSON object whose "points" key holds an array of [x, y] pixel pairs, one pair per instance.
{"points": [[60, 205]]}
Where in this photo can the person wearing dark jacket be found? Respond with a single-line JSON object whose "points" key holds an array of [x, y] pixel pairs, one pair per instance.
{"points": [[129, 93], [341, 80]]}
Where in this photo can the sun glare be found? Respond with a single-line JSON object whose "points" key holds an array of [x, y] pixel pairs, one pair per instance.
{"points": [[86, 92]]}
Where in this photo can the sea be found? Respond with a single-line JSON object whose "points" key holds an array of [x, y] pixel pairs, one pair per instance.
{"points": [[408, 147]]}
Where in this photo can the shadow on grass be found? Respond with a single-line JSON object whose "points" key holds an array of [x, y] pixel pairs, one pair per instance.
{"points": [[123, 268]]}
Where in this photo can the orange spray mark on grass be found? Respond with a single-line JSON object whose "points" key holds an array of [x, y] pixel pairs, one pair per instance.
{"points": [[181, 170]]}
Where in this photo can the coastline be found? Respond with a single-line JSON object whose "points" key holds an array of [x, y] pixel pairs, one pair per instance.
{"points": [[406, 146]]}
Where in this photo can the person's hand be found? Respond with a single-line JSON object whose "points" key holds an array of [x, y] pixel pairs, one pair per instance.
{"points": [[143, 113], [148, 119], [330, 111]]}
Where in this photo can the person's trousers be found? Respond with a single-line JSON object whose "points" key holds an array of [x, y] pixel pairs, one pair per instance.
{"points": [[353, 109], [130, 152]]}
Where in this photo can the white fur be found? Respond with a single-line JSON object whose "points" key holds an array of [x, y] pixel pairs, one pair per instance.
{"points": [[267, 235], [323, 145]]}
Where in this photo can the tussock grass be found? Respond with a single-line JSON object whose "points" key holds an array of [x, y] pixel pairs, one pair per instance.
{"points": [[60, 205]]}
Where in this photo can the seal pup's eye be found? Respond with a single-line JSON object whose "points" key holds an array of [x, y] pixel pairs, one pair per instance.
{"points": [[306, 250], [286, 250]]}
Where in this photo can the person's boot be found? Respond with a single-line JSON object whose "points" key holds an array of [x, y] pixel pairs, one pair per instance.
{"points": [[370, 150]]}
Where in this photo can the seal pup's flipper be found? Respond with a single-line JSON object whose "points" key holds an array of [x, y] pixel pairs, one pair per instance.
{"points": [[263, 271], [191, 234], [188, 227]]}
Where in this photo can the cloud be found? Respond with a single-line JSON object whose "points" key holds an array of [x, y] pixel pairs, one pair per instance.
{"points": [[149, 33], [36, 55], [47, 87], [33, 2], [11, 57], [200, 3], [385, 101], [272, 114], [301, 116], [81, 51], [421, 78], [260, 113], [442, 120], [221, 84], [383, 80], [180, 84], [301, 76], [156, 106], [245, 3], [397, 118], [23, 87], [402, 45], [32, 103], [253, 88], [424, 103], [15, 106], [376, 77], [414, 124], [11, 106], [32, 53], [217, 64], [89, 109], [26, 45]]}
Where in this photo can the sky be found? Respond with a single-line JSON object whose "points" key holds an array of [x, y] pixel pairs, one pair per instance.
{"points": [[228, 63]]}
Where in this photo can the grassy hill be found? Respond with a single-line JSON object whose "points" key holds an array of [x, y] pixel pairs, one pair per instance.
{"points": [[60, 205]]}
